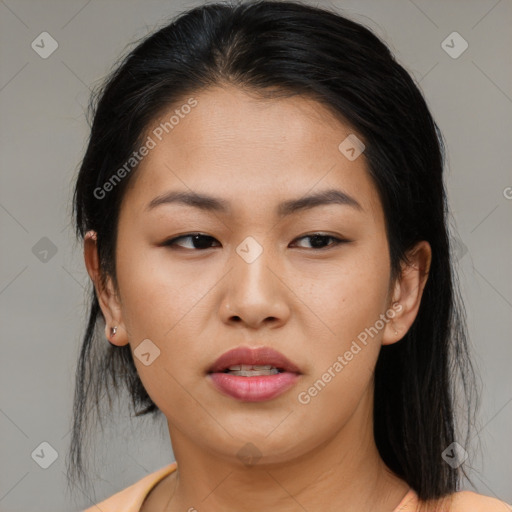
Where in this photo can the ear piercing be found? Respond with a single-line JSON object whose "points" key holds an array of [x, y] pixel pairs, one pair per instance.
{"points": [[113, 331]]}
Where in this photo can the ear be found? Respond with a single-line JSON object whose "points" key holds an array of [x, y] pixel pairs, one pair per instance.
{"points": [[407, 293], [107, 297]]}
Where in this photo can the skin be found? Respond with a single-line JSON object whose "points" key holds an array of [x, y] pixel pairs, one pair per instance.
{"points": [[310, 304]]}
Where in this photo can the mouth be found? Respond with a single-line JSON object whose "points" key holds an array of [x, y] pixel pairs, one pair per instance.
{"points": [[253, 375], [249, 370]]}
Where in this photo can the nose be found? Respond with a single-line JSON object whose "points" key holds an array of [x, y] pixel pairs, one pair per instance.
{"points": [[255, 294]]}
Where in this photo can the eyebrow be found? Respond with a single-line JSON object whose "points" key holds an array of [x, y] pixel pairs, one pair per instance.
{"points": [[286, 208]]}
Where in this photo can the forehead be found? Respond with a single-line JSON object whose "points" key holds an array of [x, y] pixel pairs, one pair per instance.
{"points": [[250, 151]]}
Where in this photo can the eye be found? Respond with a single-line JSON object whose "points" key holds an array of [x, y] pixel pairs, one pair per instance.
{"points": [[318, 239], [199, 241]]}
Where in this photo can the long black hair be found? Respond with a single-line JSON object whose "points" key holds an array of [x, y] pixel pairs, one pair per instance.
{"points": [[286, 48]]}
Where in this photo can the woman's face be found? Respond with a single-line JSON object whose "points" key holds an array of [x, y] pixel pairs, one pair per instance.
{"points": [[259, 277]]}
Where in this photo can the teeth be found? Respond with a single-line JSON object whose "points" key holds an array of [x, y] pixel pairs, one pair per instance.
{"points": [[247, 367], [253, 373], [249, 370]]}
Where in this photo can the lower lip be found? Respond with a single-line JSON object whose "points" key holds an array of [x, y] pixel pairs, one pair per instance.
{"points": [[253, 389]]}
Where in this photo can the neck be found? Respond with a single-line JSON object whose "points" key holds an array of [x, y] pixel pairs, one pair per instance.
{"points": [[345, 473]]}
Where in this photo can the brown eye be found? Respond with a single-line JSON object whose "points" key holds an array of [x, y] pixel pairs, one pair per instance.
{"points": [[318, 240], [199, 241]]}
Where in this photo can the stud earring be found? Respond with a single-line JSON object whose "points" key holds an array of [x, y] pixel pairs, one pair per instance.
{"points": [[113, 331]]}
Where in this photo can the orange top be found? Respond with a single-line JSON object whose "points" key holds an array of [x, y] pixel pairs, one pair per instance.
{"points": [[131, 498]]}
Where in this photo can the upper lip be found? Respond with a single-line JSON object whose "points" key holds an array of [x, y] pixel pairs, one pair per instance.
{"points": [[253, 356]]}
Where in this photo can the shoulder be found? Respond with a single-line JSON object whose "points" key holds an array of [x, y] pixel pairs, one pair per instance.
{"points": [[131, 498], [460, 501], [469, 501]]}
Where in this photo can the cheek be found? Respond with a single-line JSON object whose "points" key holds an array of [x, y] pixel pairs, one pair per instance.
{"points": [[344, 356], [349, 296], [156, 295], [348, 302], [166, 306]]}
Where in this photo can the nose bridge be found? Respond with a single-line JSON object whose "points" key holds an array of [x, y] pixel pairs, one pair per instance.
{"points": [[253, 293], [251, 259]]}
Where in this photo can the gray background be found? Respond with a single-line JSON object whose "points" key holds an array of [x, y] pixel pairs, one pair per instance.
{"points": [[43, 136]]}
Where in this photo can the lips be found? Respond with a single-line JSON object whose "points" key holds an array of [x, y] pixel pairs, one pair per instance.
{"points": [[253, 374], [262, 356]]}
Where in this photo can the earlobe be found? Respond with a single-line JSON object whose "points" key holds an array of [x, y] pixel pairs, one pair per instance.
{"points": [[107, 296], [408, 292], [393, 331], [113, 337]]}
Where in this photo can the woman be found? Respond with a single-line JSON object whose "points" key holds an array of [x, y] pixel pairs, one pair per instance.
{"points": [[293, 374]]}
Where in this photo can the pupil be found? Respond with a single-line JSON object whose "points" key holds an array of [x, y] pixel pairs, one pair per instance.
{"points": [[201, 241], [318, 238]]}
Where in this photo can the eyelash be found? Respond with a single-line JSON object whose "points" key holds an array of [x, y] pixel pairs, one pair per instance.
{"points": [[337, 241]]}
